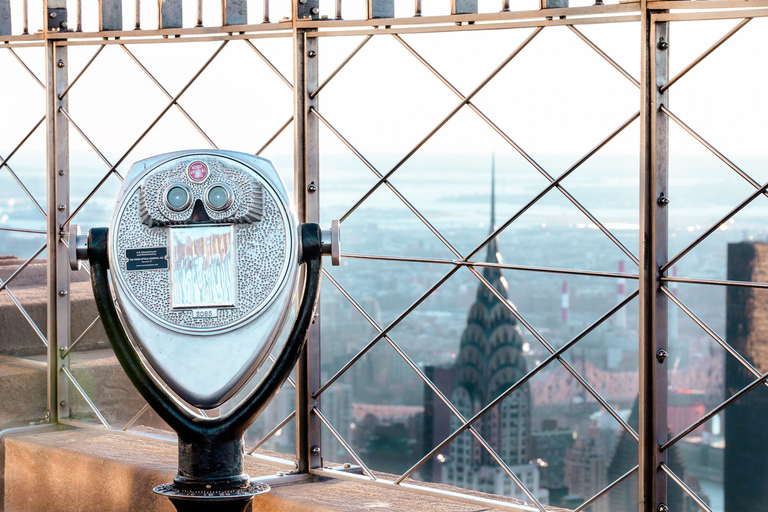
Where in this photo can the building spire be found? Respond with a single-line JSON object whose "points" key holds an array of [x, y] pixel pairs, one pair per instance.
{"points": [[493, 192]]}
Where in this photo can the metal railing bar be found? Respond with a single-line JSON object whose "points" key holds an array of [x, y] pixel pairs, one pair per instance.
{"points": [[525, 378], [21, 230], [90, 143], [269, 64], [22, 267], [23, 361], [82, 71], [684, 487], [704, 55], [266, 11], [88, 329], [344, 443], [144, 134], [199, 13], [4, 163], [606, 490], [487, 264], [716, 282], [442, 123], [425, 491], [391, 187], [696, 424], [359, 47], [604, 55], [554, 182], [137, 24], [135, 417], [728, 348], [276, 135], [24, 65], [168, 95], [271, 433], [592, 391], [710, 147], [438, 392], [79, 9], [714, 228], [85, 396], [25, 17], [389, 327], [25, 314], [290, 379]]}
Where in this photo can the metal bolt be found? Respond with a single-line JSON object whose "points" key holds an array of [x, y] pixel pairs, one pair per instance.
{"points": [[61, 207], [61, 62], [61, 172], [207, 486], [52, 14], [280, 473], [63, 403], [315, 10], [62, 293], [312, 54], [347, 465], [312, 187], [662, 508], [315, 450], [661, 355], [63, 25], [63, 348], [663, 46], [662, 200]]}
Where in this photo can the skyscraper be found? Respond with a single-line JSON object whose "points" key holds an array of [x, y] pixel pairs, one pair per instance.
{"points": [[489, 361]]}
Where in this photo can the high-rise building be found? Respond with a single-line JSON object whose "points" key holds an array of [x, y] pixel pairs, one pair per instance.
{"points": [[746, 435], [490, 360]]}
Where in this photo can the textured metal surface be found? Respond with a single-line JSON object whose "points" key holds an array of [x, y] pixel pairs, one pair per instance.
{"points": [[110, 15], [463, 6], [262, 249], [381, 9], [170, 14], [235, 12], [5, 17]]}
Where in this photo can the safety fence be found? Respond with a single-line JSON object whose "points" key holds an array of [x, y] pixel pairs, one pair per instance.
{"points": [[121, 82]]}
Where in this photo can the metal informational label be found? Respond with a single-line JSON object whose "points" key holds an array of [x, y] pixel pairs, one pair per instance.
{"points": [[202, 267], [146, 258]]}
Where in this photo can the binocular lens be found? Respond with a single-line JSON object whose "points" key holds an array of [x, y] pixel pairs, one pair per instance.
{"points": [[218, 197], [178, 198]]}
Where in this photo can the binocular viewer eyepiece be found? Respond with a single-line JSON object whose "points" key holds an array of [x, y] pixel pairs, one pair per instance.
{"points": [[195, 280]]}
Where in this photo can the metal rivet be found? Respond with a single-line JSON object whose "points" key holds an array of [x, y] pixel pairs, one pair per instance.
{"points": [[207, 486], [63, 348], [662, 200], [61, 172], [61, 62], [61, 207], [661, 355], [312, 54], [662, 508], [315, 450], [315, 10], [62, 293], [280, 473], [63, 25], [663, 45], [312, 187], [347, 465], [63, 403], [302, 1], [52, 14]]}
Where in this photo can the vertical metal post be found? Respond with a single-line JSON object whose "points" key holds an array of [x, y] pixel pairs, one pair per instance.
{"points": [[57, 172], [653, 228], [307, 185]]}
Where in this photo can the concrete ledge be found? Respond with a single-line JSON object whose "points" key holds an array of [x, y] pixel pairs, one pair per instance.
{"points": [[74, 470]]}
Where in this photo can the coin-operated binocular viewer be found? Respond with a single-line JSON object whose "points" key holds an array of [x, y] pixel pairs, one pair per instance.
{"points": [[203, 255]]}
